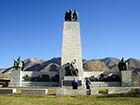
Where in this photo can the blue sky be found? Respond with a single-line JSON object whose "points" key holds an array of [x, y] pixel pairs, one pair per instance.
{"points": [[33, 28]]}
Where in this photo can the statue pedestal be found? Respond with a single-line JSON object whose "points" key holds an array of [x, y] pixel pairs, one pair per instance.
{"points": [[71, 77], [16, 78], [68, 80], [126, 77]]}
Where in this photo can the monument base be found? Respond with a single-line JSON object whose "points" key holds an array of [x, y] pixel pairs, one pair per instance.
{"points": [[68, 80], [69, 83], [62, 91], [71, 77], [16, 78], [126, 78]]}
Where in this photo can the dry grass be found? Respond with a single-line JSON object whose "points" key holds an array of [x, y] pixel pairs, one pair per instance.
{"points": [[22, 99], [19, 99]]}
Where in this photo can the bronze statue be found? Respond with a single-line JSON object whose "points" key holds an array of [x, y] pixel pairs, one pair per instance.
{"points": [[70, 70], [71, 15], [18, 64], [68, 15], [122, 65], [75, 15]]}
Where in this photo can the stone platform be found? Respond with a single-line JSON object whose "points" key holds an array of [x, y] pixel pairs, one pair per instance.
{"points": [[63, 91], [119, 90]]}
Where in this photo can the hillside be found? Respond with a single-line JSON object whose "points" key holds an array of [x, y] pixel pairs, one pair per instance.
{"points": [[134, 64], [95, 65]]}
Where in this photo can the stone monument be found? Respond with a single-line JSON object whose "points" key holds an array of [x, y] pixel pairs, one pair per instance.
{"points": [[16, 74], [126, 75], [71, 60]]}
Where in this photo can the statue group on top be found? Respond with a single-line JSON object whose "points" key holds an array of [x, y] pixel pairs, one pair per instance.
{"points": [[122, 65], [18, 64], [70, 70], [71, 15]]}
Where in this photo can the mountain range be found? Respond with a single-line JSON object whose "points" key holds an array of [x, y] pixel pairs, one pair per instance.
{"points": [[105, 64]]}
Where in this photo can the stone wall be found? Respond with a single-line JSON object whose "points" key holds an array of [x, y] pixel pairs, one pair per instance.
{"points": [[17, 79], [97, 73], [39, 84], [32, 73], [88, 74]]}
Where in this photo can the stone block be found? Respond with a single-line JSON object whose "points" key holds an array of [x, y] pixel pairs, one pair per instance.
{"points": [[76, 92], [119, 90], [60, 91], [16, 78], [126, 78], [35, 91], [7, 91], [71, 77], [69, 83], [106, 84], [63, 91], [40, 84], [94, 91]]}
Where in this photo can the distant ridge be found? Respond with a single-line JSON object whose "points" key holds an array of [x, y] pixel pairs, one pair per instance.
{"points": [[105, 64]]}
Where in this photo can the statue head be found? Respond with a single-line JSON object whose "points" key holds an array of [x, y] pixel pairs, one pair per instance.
{"points": [[18, 59], [122, 60], [70, 10]]}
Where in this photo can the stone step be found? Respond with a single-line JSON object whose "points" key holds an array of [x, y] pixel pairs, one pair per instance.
{"points": [[34, 91], [7, 91], [63, 91]]}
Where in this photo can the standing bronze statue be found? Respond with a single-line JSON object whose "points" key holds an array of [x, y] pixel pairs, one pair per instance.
{"points": [[122, 65], [18, 64], [75, 15], [71, 15]]}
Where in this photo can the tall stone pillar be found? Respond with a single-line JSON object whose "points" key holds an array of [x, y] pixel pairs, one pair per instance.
{"points": [[71, 48], [16, 78]]}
